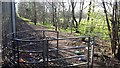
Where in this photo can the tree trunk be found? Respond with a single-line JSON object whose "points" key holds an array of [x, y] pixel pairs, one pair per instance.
{"points": [[118, 52], [35, 17], [56, 24], [53, 17], [112, 34], [73, 16], [89, 11], [43, 11], [114, 31], [81, 11], [108, 25]]}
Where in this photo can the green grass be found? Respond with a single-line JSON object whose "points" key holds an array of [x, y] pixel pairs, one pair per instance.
{"points": [[25, 19], [99, 28], [48, 25]]}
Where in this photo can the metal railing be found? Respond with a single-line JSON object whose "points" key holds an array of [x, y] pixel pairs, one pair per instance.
{"points": [[45, 48]]}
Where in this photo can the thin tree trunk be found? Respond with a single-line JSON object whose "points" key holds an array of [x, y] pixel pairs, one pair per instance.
{"points": [[63, 12], [73, 16], [115, 31], [92, 27], [89, 11], [43, 11], [118, 52], [53, 17], [105, 11], [81, 11], [56, 24], [108, 25], [35, 17], [69, 15]]}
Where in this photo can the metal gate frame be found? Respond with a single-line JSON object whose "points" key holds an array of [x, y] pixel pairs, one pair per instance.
{"points": [[16, 51]]}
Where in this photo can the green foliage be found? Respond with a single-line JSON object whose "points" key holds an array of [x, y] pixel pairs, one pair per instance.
{"points": [[46, 24], [95, 27], [25, 19]]}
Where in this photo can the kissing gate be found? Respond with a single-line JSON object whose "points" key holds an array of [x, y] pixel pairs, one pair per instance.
{"points": [[39, 48], [42, 48]]}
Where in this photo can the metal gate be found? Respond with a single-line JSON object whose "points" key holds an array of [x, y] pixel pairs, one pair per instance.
{"points": [[39, 48]]}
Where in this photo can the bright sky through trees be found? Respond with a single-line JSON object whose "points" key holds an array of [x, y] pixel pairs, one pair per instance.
{"points": [[98, 4], [55, 0]]}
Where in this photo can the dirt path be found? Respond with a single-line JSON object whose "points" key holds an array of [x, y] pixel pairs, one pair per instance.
{"points": [[23, 25]]}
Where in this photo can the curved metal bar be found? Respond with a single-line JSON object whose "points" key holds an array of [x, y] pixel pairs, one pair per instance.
{"points": [[45, 46], [49, 39], [18, 39]]}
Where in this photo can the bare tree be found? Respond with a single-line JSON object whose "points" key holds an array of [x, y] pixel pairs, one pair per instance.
{"points": [[43, 13], [35, 16], [118, 51], [81, 10], [113, 29], [89, 10], [73, 4], [107, 20], [54, 17]]}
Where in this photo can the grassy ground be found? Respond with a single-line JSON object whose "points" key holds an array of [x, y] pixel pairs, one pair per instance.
{"points": [[98, 28]]}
